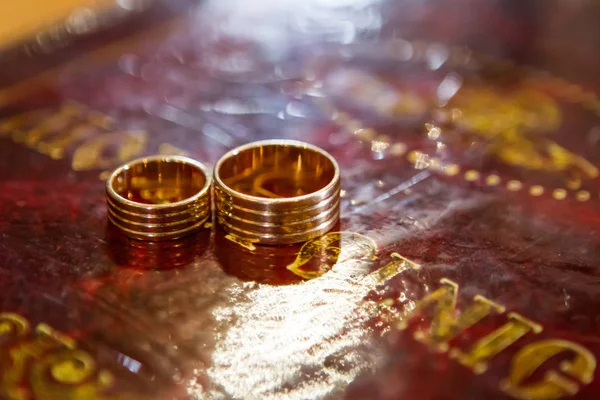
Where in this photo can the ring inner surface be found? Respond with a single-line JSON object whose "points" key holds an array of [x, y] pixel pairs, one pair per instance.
{"points": [[277, 171], [159, 182]]}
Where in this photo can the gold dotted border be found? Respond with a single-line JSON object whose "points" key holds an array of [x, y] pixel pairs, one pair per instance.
{"points": [[423, 161], [461, 55], [493, 180]]}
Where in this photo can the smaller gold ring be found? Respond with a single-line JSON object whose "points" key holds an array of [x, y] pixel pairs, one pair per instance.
{"points": [[159, 197], [277, 191]]}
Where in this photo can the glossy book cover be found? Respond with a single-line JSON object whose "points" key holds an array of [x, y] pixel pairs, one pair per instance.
{"points": [[465, 263]]}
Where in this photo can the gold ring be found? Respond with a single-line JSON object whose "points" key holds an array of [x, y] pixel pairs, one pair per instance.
{"points": [[277, 191], [159, 197]]}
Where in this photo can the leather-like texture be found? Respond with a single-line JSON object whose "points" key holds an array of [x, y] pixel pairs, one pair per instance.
{"points": [[467, 137]]}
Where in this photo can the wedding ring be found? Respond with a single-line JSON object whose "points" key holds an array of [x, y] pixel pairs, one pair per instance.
{"points": [[277, 192], [159, 197]]}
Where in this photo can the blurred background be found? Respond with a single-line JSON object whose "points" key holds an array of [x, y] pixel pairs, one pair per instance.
{"points": [[24, 18]]}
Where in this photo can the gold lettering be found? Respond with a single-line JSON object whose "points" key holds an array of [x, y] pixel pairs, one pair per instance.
{"points": [[495, 342], [248, 244], [52, 134], [396, 267], [14, 366], [13, 125], [100, 120], [516, 140], [333, 248], [96, 153], [50, 363], [13, 324], [553, 385], [73, 369], [56, 147], [68, 374], [56, 123], [68, 114], [446, 324]]}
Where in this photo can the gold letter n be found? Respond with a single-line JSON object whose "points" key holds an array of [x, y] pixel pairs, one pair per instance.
{"points": [[447, 322]]}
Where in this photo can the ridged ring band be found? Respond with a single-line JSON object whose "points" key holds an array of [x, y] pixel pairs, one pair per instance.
{"points": [[277, 191], [159, 197]]}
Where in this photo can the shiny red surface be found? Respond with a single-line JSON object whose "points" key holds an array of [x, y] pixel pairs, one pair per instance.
{"points": [[206, 318]]}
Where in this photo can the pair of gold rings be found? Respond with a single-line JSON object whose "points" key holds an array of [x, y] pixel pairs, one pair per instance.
{"points": [[270, 192]]}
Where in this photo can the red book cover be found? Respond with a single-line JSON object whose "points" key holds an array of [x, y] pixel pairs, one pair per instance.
{"points": [[465, 263]]}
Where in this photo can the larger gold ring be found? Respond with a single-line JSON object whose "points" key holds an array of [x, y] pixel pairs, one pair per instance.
{"points": [[277, 191], [159, 197]]}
